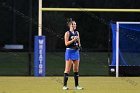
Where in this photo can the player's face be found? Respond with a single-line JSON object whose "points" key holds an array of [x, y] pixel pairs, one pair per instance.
{"points": [[73, 25]]}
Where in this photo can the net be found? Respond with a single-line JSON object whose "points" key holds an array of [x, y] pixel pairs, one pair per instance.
{"points": [[129, 42]]}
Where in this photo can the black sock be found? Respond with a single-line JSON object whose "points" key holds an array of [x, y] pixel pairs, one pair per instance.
{"points": [[76, 75], [65, 78]]}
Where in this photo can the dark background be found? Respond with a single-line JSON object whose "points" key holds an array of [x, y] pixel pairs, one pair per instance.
{"points": [[19, 22]]}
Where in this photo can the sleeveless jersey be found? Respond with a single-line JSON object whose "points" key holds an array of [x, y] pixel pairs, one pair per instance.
{"points": [[71, 36]]}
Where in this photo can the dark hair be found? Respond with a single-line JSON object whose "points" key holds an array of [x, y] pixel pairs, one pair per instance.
{"points": [[69, 21]]}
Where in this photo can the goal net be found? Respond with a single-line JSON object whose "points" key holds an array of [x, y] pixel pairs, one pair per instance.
{"points": [[126, 42]]}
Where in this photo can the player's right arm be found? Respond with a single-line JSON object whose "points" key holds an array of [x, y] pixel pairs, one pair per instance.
{"points": [[66, 37]]}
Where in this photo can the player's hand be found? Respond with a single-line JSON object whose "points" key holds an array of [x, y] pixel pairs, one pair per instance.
{"points": [[80, 47], [76, 38]]}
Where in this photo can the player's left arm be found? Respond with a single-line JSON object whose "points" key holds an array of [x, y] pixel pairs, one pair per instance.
{"points": [[79, 39]]}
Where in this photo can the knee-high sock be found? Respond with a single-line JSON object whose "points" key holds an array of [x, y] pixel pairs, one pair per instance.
{"points": [[65, 78], [76, 75]]}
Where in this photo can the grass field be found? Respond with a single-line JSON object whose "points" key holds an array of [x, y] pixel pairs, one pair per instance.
{"points": [[54, 85], [92, 63]]}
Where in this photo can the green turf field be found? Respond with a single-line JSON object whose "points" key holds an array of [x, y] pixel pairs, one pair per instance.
{"points": [[54, 85]]}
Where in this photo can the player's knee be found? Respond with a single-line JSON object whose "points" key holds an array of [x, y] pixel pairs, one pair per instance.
{"points": [[75, 69]]}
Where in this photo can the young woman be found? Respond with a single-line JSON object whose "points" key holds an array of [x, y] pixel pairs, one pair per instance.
{"points": [[72, 57]]}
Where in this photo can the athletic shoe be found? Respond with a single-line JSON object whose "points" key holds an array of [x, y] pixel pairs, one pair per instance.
{"points": [[79, 88], [65, 88]]}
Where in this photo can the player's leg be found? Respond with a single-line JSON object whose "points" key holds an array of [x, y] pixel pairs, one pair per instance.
{"points": [[76, 74], [66, 73], [76, 70]]}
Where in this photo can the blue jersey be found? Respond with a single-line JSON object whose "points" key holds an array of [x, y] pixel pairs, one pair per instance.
{"points": [[72, 36]]}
